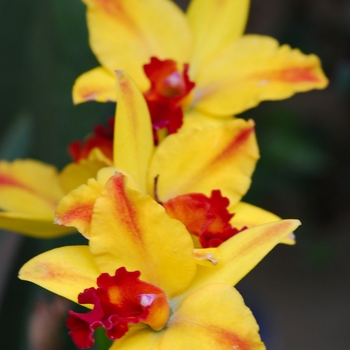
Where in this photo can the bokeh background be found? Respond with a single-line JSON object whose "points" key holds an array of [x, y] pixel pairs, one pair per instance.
{"points": [[300, 294]]}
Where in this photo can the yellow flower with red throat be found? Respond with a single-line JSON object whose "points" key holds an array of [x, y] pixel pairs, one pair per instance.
{"points": [[198, 62], [217, 157], [147, 285], [215, 170], [203, 172]]}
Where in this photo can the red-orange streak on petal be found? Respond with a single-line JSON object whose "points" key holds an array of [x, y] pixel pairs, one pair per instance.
{"points": [[49, 271], [6, 181], [81, 212], [293, 75], [233, 146], [229, 339], [267, 235], [123, 207], [113, 8], [88, 95], [223, 337]]}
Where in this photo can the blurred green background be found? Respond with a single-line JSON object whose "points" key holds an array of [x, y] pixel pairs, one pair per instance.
{"points": [[301, 293]]}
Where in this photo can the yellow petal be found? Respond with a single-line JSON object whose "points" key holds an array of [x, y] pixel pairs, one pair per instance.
{"points": [[215, 24], [29, 187], [133, 138], [241, 253], [139, 337], [213, 317], [66, 271], [194, 119], [221, 157], [31, 225], [124, 34], [250, 216], [76, 208], [253, 69], [76, 174], [97, 84], [132, 230]]}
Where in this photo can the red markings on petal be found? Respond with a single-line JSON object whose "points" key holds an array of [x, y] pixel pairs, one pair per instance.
{"points": [[294, 75], [118, 301], [205, 217], [229, 339], [9, 181], [113, 8], [101, 138], [123, 206], [168, 89], [235, 145], [82, 212]]}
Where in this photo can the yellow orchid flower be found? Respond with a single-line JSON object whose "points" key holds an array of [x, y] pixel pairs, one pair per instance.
{"points": [[220, 156], [30, 191], [198, 61], [216, 157], [176, 303]]}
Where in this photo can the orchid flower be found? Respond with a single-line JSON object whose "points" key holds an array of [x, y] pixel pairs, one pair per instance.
{"points": [[198, 62], [30, 191], [185, 169], [217, 157], [146, 285]]}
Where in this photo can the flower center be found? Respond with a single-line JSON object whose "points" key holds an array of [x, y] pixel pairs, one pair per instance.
{"points": [[119, 301], [205, 217], [169, 88], [165, 98]]}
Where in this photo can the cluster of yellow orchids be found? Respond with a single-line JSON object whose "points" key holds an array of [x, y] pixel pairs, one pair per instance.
{"points": [[157, 193]]}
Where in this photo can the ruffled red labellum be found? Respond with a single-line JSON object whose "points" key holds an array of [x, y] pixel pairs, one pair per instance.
{"points": [[205, 217], [101, 138], [168, 89], [118, 301]]}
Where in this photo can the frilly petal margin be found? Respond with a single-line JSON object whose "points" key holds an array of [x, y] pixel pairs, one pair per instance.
{"points": [[66, 271], [76, 208], [253, 69], [217, 157]]}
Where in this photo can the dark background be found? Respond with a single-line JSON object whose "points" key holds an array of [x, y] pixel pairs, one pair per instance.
{"points": [[300, 294]]}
